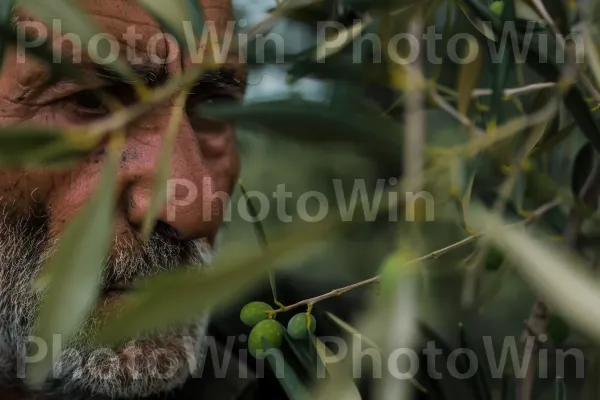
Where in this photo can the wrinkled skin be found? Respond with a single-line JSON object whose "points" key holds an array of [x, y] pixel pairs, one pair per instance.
{"points": [[204, 154]]}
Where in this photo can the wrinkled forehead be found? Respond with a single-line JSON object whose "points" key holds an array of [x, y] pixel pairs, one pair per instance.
{"points": [[133, 28], [116, 15]]}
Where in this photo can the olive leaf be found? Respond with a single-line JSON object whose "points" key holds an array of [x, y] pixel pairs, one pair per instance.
{"points": [[260, 234], [502, 68], [582, 167], [483, 389], [285, 374], [496, 285], [591, 386], [159, 189], [324, 49], [552, 138], [519, 192], [301, 353], [468, 78], [351, 330], [469, 170], [22, 145], [553, 273], [483, 27], [176, 16], [340, 383], [543, 60], [316, 122], [560, 389], [73, 274], [43, 53]]}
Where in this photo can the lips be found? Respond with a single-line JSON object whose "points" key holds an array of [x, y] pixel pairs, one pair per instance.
{"points": [[116, 289]]}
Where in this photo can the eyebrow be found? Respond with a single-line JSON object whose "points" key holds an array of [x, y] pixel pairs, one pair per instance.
{"points": [[223, 77], [153, 75]]}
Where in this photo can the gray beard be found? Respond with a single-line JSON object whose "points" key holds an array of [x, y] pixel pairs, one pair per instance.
{"points": [[147, 365]]}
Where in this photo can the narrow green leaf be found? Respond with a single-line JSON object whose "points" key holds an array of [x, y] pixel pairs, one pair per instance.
{"points": [[501, 69], [176, 16], [77, 21], [74, 271], [196, 15], [483, 27], [468, 78], [469, 170], [580, 110], [261, 235], [582, 168], [324, 49], [518, 195], [177, 296], [340, 383], [482, 386], [22, 145], [368, 342], [301, 353], [159, 190], [496, 285], [556, 276], [591, 384], [43, 53], [552, 138], [316, 122], [287, 377], [482, 11], [544, 62], [560, 389], [526, 13], [6, 9], [548, 128], [591, 55], [351, 330]]}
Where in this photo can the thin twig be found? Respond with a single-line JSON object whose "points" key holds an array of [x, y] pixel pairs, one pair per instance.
{"points": [[515, 91], [444, 105], [535, 215], [541, 9]]}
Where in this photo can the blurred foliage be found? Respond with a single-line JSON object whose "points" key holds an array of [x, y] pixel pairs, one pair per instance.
{"points": [[506, 145]]}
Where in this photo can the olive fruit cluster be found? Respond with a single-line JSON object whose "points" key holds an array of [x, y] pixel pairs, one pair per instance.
{"points": [[267, 333]]}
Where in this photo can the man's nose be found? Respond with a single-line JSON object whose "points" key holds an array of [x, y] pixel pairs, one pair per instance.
{"points": [[188, 183]]}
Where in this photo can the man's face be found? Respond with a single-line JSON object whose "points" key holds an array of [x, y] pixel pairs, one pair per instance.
{"points": [[38, 203]]}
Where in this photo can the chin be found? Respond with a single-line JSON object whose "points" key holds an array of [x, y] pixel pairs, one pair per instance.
{"points": [[142, 367]]}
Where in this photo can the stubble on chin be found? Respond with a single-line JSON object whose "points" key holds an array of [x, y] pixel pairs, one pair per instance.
{"points": [[150, 364]]}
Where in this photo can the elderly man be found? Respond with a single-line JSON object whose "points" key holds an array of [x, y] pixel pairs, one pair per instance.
{"points": [[194, 361], [39, 203]]}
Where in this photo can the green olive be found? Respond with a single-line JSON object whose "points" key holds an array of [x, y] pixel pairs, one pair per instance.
{"points": [[297, 327], [265, 335], [254, 312]]}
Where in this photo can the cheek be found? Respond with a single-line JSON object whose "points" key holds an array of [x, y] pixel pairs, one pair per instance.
{"points": [[28, 192], [221, 157], [16, 189], [31, 189], [70, 191]]}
